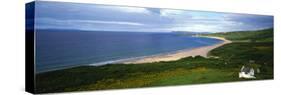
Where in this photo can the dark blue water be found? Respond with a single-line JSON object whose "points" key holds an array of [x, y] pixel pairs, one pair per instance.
{"points": [[57, 49]]}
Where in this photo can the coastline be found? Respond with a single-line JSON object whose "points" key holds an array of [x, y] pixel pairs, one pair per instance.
{"points": [[170, 56], [201, 51]]}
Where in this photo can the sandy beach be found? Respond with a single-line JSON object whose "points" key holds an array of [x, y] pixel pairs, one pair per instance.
{"points": [[202, 51]]}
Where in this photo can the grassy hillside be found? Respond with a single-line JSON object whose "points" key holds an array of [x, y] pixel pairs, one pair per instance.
{"points": [[265, 35], [224, 67]]}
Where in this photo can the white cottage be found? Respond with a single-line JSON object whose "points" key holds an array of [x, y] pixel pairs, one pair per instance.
{"points": [[247, 72]]}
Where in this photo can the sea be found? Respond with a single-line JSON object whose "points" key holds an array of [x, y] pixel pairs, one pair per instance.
{"points": [[59, 49]]}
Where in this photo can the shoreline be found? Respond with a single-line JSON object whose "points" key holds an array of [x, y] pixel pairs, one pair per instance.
{"points": [[170, 56], [200, 51]]}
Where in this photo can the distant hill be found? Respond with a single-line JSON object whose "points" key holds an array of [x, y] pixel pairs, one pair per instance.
{"points": [[190, 33], [265, 35]]}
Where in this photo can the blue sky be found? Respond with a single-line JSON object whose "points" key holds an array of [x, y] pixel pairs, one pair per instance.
{"points": [[59, 15]]}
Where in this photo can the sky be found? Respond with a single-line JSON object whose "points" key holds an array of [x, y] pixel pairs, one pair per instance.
{"points": [[61, 15]]}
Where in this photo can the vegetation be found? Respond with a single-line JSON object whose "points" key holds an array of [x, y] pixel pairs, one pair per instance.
{"points": [[265, 35], [223, 65]]}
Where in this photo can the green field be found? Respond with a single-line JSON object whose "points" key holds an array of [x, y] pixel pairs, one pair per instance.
{"points": [[223, 65]]}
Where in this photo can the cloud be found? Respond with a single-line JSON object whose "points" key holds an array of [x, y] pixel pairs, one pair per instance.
{"points": [[170, 12], [154, 10], [115, 18], [208, 25], [56, 23], [200, 21], [107, 22], [127, 9]]}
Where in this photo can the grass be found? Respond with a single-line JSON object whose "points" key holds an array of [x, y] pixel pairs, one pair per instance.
{"points": [[190, 70], [265, 35]]}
